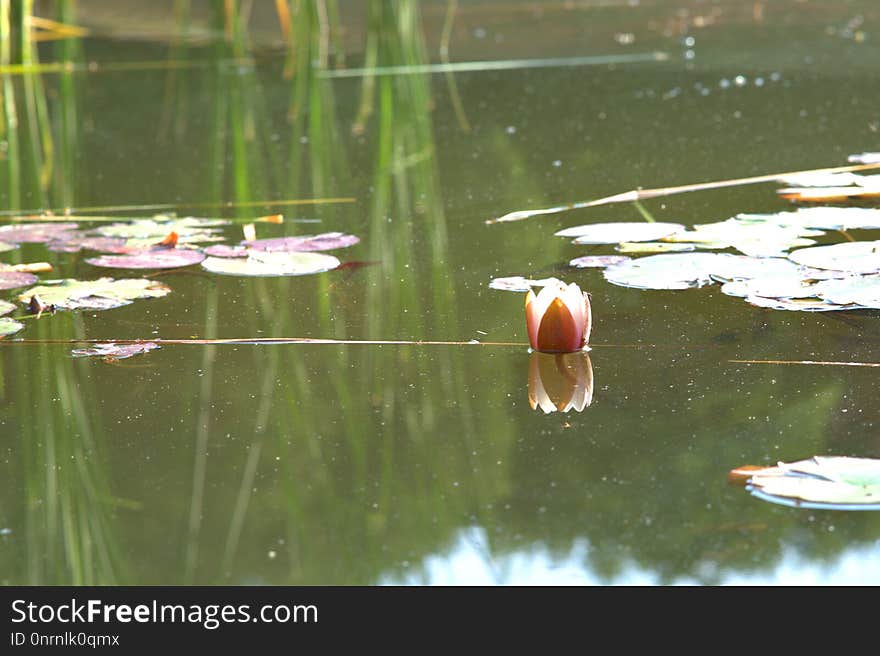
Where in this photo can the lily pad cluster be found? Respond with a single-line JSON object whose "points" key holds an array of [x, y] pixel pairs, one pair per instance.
{"points": [[160, 242], [780, 264]]}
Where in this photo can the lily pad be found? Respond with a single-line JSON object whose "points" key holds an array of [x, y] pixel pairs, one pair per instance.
{"points": [[271, 264], [653, 247], [853, 257], [784, 286], [323, 242], [519, 284], [13, 279], [614, 233], [111, 351], [20, 233], [824, 179], [831, 483], [101, 294], [756, 238], [858, 290], [78, 241], [6, 307], [188, 229], [821, 218], [9, 326], [744, 267], [671, 271], [798, 304], [7, 247], [865, 158], [598, 261], [158, 258], [223, 250]]}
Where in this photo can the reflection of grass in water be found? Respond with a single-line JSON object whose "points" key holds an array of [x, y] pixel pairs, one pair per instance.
{"points": [[69, 533]]}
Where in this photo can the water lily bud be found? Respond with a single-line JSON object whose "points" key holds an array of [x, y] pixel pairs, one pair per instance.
{"points": [[560, 382], [559, 318]]}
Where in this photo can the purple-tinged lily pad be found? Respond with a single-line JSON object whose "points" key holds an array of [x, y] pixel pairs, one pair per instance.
{"points": [[598, 261], [13, 279], [156, 258], [9, 326], [6, 307], [34, 233], [323, 242], [222, 250], [112, 351], [101, 294], [80, 241]]}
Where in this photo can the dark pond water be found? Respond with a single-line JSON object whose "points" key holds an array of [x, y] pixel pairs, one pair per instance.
{"points": [[369, 464]]}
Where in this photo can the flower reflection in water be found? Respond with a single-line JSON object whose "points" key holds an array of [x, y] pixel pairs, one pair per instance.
{"points": [[559, 382]]}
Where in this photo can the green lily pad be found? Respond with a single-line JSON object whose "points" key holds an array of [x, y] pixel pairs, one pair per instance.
{"points": [[671, 271], [853, 257], [865, 158], [653, 247], [6, 307], [188, 229], [832, 483], [615, 233], [753, 238], [822, 218], [780, 286], [271, 264], [9, 326], [7, 247], [101, 294], [858, 290]]}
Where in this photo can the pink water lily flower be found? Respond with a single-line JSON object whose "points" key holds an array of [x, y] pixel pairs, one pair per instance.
{"points": [[559, 318]]}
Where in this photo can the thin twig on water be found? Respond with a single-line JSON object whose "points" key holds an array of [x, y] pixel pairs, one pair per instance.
{"points": [[643, 194]]}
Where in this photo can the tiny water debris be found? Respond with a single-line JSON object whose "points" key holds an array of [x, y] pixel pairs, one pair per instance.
{"points": [[101, 294], [559, 318], [111, 351], [559, 382], [821, 482], [519, 283]]}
